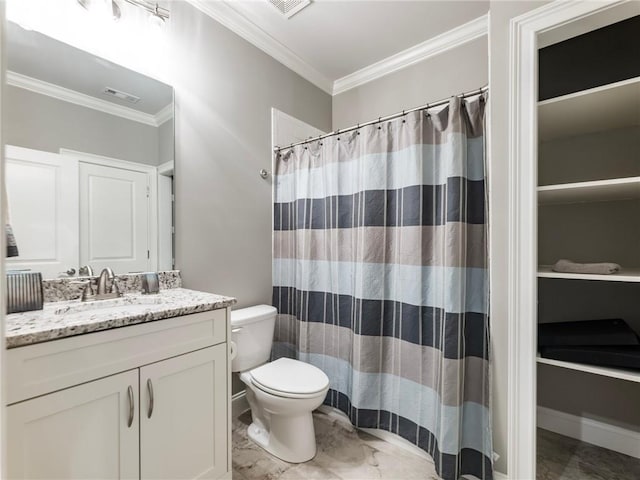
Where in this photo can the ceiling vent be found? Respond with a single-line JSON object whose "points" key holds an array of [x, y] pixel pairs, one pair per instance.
{"points": [[289, 7], [121, 95]]}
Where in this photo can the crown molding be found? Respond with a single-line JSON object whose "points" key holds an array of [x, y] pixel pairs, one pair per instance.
{"points": [[429, 48], [164, 114], [71, 96], [224, 13], [239, 24]]}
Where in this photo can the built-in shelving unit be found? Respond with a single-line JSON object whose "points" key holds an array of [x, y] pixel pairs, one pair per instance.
{"points": [[578, 115], [624, 275], [619, 373], [603, 108], [596, 191]]}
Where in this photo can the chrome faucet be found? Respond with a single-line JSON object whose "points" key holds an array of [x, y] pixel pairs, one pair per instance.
{"points": [[102, 291], [105, 275]]}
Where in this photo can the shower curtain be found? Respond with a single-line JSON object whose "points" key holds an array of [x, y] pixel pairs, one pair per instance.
{"points": [[380, 278]]}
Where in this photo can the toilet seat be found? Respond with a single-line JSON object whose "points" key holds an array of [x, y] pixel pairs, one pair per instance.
{"points": [[290, 378]]}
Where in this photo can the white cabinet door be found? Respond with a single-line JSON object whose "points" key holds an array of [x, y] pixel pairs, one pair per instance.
{"points": [[78, 433], [42, 190], [114, 218], [183, 431]]}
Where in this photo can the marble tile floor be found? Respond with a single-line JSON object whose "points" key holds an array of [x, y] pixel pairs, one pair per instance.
{"points": [[344, 453], [564, 458]]}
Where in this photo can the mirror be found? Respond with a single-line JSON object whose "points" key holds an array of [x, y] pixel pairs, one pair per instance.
{"points": [[89, 149]]}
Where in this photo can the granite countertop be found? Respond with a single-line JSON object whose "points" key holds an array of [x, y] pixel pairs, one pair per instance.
{"points": [[69, 318]]}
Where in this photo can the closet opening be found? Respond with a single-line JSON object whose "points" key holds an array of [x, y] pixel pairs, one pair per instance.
{"points": [[588, 254]]}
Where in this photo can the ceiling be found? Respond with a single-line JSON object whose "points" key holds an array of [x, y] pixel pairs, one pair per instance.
{"points": [[40, 57], [336, 38]]}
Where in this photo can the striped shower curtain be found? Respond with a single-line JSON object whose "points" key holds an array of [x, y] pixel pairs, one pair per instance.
{"points": [[380, 278]]}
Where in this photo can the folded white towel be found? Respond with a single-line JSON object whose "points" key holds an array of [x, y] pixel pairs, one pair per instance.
{"points": [[567, 266]]}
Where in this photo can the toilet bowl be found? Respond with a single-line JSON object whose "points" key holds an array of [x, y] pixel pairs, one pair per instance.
{"points": [[281, 394]]}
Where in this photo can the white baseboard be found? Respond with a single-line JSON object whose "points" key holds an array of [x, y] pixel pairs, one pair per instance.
{"points": [[239, 404], [590, 431]]}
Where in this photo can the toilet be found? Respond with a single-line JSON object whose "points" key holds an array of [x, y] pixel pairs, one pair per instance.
{"points": [[281, 394]]}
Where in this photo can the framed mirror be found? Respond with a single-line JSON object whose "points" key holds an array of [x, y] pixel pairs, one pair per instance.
{"points": [[89, 161]]}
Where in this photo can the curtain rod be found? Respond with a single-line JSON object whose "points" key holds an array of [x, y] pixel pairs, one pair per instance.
{"points": [[384, 119]]}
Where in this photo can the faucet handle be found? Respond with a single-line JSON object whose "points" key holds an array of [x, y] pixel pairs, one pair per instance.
{"points": [[86, 271], [86, 291]]}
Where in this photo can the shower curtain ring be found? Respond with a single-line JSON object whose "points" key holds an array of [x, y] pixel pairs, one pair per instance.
{"points": [[379, 127]]}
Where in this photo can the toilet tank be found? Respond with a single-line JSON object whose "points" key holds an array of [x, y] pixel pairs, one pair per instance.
{"points": [[252, 332]]}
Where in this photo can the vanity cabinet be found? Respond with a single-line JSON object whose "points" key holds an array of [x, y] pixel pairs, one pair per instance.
{"points": [[80, 432], [183, 416], [167, 417]]}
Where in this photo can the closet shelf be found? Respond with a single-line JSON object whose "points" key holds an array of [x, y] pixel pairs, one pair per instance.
{"points": [[616, 105], [625, 275], [595, 191], [630, 375]]}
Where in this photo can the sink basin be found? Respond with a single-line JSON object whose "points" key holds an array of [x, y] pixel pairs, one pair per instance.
{"points": [[125, 301]]}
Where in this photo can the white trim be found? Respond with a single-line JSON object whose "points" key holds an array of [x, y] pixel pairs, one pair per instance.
{"points": [[166, 168], [165, 114], [239, 404], [611, 372], [591, 431], [71, 96], [152, 175], [228, 16], [522, 221], [108, 161], [429, 48]]}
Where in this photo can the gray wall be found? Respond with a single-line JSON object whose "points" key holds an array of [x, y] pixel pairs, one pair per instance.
{"points": [[45, 123], [225, 88], [596, 156], [603, 399], [459, 70]]}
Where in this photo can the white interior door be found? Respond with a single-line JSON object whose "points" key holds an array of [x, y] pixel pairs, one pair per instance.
{"points": [[184, 435], [114, 218], [81, 432], [42, 190]]}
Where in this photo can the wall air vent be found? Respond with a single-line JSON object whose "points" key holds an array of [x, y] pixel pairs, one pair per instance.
{"points": [[121, 95], [289, 7]]}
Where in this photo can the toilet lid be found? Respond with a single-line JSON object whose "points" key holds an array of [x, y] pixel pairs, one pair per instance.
{"points": [[290, 377]]}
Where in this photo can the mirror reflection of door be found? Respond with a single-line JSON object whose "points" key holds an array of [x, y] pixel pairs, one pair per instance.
{"points": [[43, 189], [114, 218], [90, 153], [67, 212]]}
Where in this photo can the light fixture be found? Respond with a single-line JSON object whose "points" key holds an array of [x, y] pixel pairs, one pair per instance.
{"points": [[158, 13]]}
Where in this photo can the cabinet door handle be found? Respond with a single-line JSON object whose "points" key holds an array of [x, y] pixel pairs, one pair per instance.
{"points": [[131, 406], [150, 390]]}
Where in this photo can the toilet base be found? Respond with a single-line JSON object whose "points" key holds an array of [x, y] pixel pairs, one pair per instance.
{"points": [[291, 439]]}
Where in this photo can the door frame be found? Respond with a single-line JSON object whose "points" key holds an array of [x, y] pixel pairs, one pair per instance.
{"points": [[524, 43], [152, 175]]}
